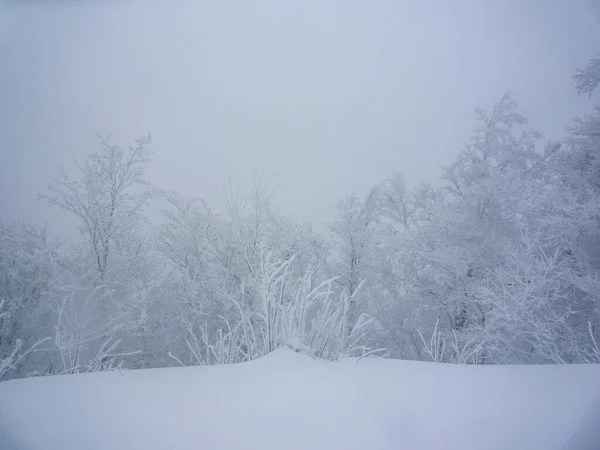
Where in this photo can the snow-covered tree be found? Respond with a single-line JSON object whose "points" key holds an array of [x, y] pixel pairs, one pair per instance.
{"points": [[107, 200], [110, 272], [588, 78], [354, 241], [28, 259], [217, 259]]}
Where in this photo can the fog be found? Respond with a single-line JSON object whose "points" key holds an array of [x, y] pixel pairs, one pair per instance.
{"points": [[349, 105], [334, 95]]}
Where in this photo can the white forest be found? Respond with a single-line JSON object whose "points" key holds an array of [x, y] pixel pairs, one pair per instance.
{"points": [[496, 262], [459, 312]]}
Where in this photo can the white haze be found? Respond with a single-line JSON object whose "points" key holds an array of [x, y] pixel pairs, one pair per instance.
{"points": [[335, 94], [497, 262]]}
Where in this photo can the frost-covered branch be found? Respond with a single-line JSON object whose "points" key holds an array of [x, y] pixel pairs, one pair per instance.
{"points": [[11, 360], [588, 79], [436, 346]]}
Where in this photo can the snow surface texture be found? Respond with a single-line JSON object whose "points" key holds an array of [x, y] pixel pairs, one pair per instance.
{"points": [[289, 401]]}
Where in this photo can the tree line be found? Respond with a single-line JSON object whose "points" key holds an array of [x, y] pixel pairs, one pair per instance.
{"points": [[498, 263]]}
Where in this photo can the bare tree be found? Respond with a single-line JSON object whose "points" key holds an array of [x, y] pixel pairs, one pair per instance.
{"points": [[107, 199], [588, 78]]}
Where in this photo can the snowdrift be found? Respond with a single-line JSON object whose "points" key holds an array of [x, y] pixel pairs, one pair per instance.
{"points": [[290, 401]]}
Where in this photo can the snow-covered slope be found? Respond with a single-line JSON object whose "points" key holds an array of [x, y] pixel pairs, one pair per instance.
{"points": [[290, 401]]}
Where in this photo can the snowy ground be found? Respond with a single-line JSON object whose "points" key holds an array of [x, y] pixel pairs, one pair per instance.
{"points": [[290, 401]]}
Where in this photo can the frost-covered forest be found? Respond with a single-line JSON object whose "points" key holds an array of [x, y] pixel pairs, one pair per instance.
{"points": [[496, 262]]}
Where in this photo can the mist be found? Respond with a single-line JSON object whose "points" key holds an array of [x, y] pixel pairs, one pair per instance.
{"points": [[332, 96], [326, 199]]}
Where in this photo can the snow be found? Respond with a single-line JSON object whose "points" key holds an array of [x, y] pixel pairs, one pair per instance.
{"points": [[296, 344], [290, 401]]}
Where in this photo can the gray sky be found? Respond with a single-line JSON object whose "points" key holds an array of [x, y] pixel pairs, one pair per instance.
{"points": [[335, 93]]}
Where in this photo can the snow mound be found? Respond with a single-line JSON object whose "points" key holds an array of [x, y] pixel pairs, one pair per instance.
{"points": [[288, 400]]}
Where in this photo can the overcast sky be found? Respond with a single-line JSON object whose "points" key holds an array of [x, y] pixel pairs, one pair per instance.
{"points": [[336, 94]]}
